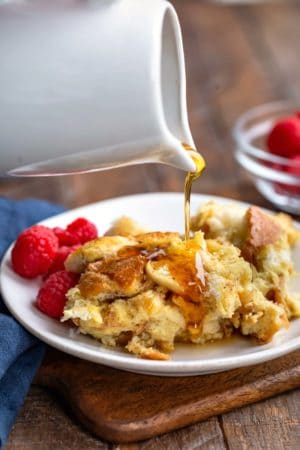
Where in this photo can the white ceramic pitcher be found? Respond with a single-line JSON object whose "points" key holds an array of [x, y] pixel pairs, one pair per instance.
{"points": [[90, 85]]}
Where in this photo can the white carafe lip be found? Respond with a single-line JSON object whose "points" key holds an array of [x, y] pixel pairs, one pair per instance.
{"points": [[172, 93]]}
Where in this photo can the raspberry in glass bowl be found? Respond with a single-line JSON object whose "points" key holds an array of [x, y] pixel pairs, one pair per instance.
{"points": [[267, 141]]}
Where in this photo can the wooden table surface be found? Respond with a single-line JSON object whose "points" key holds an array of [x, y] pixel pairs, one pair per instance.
{"points": [[237, 57]]}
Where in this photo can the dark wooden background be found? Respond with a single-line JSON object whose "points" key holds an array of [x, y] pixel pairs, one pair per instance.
{"points": [[237, 57]]}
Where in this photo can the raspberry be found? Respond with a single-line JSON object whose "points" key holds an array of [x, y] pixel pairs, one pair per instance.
{"points": [[284, 138], [61, 255], [292, 170], [34, 251], [83, 229], [65, 237], [51, 298]]}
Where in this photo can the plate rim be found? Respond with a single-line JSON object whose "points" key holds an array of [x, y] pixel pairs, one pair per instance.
{"points": [[139, 365]]}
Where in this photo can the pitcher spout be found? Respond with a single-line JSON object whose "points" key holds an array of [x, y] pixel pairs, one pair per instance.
{"points": [[172, 93], [176, 155]]}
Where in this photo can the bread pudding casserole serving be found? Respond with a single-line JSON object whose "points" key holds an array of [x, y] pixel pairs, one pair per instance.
{"points": [[144, 291]]}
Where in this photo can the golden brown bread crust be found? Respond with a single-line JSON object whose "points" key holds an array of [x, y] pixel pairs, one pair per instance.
{"points": [[96, 249], [125, 226], [147, 291], [157, 239], [261, 230], [114, 277]]}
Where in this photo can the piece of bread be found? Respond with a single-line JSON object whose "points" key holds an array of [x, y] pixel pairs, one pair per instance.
{"points": [[147, 291]]}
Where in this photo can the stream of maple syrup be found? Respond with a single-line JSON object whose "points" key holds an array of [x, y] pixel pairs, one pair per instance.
{"points": [[190, 178], [181, 263]]}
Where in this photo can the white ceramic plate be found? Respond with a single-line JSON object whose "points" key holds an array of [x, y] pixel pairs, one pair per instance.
{"points": [[159, 212]]}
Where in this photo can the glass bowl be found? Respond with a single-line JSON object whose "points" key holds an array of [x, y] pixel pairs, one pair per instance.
{"points": [[276, 178]]}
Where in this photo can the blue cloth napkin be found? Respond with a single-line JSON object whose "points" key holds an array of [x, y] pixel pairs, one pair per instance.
{"points": [[20, 352]]}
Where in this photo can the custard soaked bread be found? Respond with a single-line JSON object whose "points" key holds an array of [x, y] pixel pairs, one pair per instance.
{"points": [[146, 291], [264, 241]]}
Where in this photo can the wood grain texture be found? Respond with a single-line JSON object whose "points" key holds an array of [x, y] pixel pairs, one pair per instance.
{"points": [[204, 435], [271, 425], [126, 407], [237, 57], [50, 426]]}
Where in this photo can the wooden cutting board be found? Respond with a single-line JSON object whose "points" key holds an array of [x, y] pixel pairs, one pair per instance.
{"points": [[125, 407]]}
